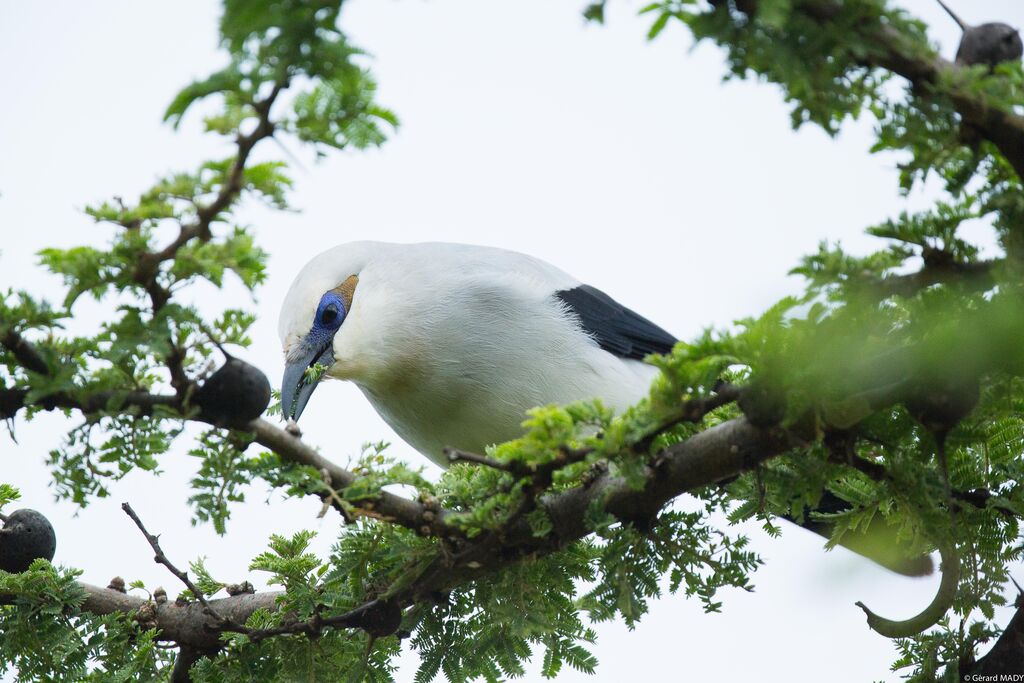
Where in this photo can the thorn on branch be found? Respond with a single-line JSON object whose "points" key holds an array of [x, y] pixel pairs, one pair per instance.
{"points": [[145, 616]]}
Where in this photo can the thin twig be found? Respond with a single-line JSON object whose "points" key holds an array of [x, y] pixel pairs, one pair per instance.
{"points": [[314, 625], [455, 455], [692, 411], [311, 627], [148, 267], [977, 498], [161, 558], [566, 456]]}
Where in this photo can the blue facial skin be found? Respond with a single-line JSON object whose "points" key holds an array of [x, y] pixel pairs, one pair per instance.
{"points": [[317, 347], [329, 316]]}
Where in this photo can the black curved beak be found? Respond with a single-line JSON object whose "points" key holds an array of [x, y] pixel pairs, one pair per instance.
{"points": [[300, 377]]}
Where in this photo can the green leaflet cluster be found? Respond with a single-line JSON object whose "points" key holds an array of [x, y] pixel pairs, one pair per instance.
{"points": [[45, 638]]}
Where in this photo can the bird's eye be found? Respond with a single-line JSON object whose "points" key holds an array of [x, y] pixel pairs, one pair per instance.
{"points": [[329, 316]]}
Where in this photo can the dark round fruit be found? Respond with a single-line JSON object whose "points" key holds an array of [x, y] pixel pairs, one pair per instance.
{"points": [[990, 44], [940, 405], [379, 620], [762, 404], [26, 536], [237, 392]]}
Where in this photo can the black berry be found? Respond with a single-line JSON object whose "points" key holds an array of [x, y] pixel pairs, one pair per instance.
{"points": [[379, 620], [26, 536], [237, 392], [991, 44], [763, 404], [939, 404]]}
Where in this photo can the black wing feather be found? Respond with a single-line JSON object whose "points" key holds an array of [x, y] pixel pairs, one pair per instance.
{"points": [[614, 327]]}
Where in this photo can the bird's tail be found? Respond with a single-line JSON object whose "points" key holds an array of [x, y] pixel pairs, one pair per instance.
{"points": [[963, 26], [878, 542]]}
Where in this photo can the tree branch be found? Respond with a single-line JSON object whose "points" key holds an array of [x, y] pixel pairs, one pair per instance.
{"points": [[894, 52], [187, 656], [1006, 656], [387, 506], [25, 352], [978, 498], [186, 624], [145, 272], [718, 453], [141, 403], [977, 274], [227, 195]]}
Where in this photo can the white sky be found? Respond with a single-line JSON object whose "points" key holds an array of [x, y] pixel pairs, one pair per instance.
{"points": [[626, 163]]}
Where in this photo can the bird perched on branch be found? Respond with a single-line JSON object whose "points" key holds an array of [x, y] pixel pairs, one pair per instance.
{"points": [[453, 344], [991, 43]]}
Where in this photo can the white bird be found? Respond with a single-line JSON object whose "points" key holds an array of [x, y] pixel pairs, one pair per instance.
{"points": [[453, 343]]}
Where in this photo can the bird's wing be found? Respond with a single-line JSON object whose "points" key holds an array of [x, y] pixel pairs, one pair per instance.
{"points": [[615, 328]]}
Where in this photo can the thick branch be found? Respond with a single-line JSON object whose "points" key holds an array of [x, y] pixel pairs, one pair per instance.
{"points": [[388, 506], [187, 656], [716, 454], [1003, 128], [706, 458], [1006, 656], [976, 274], [896, 53], [186, 624], [133, 402]]}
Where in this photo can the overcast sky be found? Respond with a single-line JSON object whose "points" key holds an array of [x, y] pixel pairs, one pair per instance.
{"points": [[628, 164]]}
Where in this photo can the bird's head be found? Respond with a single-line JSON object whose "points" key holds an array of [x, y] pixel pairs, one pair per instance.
{"points": [[313, 317]]}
